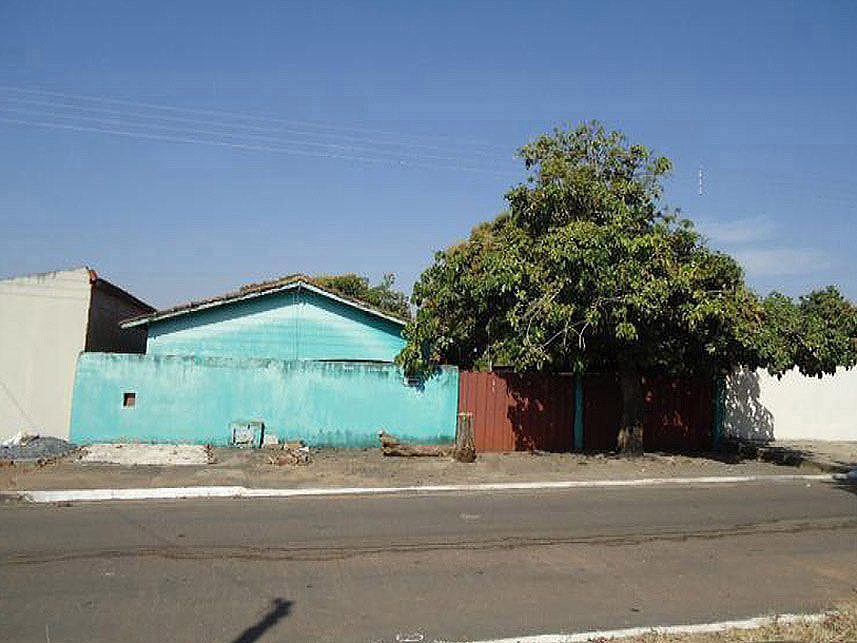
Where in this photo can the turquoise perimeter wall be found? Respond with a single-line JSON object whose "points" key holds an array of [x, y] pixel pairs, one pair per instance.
{"points": [[298, 324], [194, 399]]}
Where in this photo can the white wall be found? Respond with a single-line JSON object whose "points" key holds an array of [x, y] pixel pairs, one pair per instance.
{"points": [[760, 406], [43, 320]]}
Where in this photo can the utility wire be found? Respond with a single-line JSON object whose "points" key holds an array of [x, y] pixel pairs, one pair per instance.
{"points": [[244, 146], [157, 128], [267, 130], [238, 115]]}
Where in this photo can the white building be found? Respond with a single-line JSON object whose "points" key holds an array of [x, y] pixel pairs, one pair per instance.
{"points": [[46, 321]]}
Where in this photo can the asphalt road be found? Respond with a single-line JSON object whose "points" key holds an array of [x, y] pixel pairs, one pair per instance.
{"points": [[453, 567]]}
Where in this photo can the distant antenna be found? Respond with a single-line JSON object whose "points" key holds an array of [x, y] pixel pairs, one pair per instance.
{"points": [[700, 179]]}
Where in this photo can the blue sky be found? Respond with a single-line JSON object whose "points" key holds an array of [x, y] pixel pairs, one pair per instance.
{"points": [[182, 149]]}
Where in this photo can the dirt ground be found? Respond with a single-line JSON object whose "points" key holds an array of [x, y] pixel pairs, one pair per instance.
{"points": [[836, 453], [331, 468]]}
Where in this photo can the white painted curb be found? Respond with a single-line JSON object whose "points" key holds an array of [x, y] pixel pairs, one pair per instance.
{"points": [[700, 628], [174, 493]]}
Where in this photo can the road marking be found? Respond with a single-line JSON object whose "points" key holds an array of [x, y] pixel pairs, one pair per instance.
{"points": [[175, 493], [413, 637], [700, 628]]}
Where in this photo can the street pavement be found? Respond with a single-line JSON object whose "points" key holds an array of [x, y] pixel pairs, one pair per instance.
{"points": [[422, 567]]}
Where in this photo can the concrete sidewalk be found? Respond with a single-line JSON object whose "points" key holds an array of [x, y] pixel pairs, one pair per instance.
{"points": [[368, 468]]}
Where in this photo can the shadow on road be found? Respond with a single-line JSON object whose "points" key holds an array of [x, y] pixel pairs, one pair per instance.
{"points": [[280, 608], [849, 486], [734, 451]]}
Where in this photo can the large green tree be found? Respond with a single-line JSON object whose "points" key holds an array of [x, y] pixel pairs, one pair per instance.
{"points": [[588, 271]]}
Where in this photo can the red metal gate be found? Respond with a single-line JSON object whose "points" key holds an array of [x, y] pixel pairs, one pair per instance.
{"points": [[519, 412], [678, 414]]}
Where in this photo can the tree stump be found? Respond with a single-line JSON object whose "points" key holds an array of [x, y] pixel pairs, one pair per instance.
{"points": [[465, 440]]}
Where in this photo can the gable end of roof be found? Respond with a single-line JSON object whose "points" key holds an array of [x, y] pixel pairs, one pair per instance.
{"points": [[253, 291]]}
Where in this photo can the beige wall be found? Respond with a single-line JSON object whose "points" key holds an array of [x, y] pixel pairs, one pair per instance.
{"points": [[43, 321], [760, 406]]}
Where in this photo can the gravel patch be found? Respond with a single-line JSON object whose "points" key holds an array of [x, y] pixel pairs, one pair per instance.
{"points": [[37, 449]]}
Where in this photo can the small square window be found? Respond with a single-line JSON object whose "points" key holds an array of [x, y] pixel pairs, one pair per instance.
{"points": [[129, 399]]}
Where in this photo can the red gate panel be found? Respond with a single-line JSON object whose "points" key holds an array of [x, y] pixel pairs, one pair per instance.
{"points": [[528, 411], [602, 412], [519, 411], [678, 414]]}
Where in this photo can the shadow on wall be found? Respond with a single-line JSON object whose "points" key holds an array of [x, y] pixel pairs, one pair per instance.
{"points": [[745, 416]]}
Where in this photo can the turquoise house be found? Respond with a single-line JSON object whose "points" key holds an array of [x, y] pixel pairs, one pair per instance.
{"points": [[308, 362], [291, 319]]}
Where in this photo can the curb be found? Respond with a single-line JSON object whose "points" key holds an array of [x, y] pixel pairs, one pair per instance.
{"points": [[700, 628], [176, 493]]}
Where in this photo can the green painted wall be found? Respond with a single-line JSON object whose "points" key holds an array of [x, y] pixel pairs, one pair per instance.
{"points": [[296, 324], [194, 399]]}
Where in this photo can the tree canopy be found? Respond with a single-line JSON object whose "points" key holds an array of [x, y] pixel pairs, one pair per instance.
{"points": [[382, 295], [587, 270]]}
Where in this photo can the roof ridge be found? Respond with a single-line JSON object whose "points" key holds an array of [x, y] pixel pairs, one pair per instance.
{"points": [[258, 289], [270, 283]]}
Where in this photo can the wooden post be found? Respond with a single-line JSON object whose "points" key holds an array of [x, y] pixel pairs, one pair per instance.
{"points": [[465, 440]]}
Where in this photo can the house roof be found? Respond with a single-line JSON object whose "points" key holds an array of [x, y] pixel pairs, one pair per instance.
{"points": [[102, 284], [261, 289]]}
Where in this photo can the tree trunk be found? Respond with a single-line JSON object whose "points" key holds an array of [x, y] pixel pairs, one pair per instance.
{"points": [[417, 450], [630, 439], [465, 440]]}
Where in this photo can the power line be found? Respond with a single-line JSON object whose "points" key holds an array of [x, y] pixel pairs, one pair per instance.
{"points": [[196, 121], [244, 146], [227, 114], [157, 128]]}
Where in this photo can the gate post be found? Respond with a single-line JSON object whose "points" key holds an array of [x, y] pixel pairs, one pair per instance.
{"points": [[578, 412], [718, 416]]}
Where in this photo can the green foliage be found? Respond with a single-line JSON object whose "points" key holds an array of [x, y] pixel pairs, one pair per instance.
{"points": [[816, 334], [381, 296], [586, 270]]}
